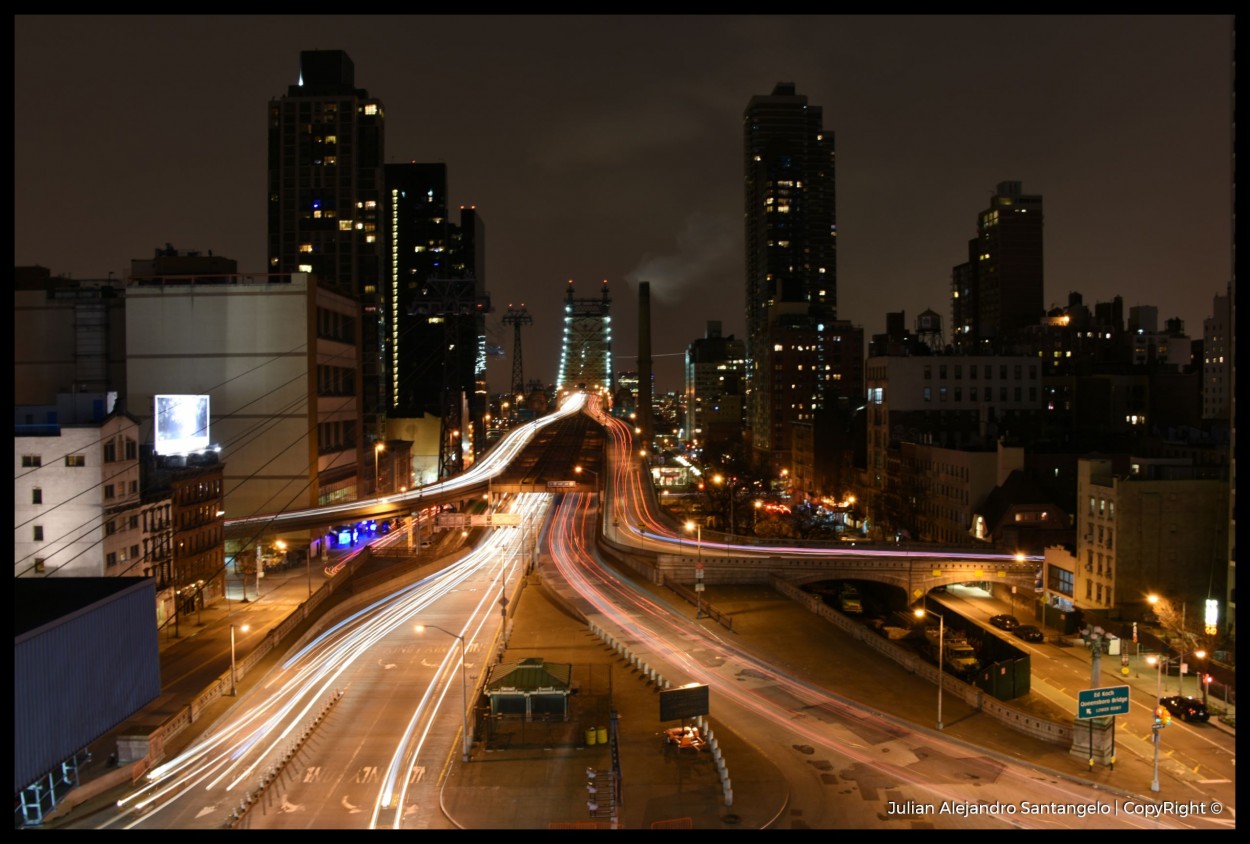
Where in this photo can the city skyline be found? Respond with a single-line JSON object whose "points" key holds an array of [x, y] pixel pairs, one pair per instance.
{"points": [[132, 132]]}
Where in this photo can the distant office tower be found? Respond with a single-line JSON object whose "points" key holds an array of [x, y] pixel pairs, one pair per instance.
{"points": [[325, 201], [436, 290], [998, 291], [715, 382], [586, 345], [791, 265]]}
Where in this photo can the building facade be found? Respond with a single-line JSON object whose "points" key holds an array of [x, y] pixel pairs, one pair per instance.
{"points": [[1217, 361], [76, 497], [791, 265], [952, 401], [1159, 529], [715, 384], [279, 358], [69, 336]]}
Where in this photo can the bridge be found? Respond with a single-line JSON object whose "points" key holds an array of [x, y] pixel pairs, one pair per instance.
{"points": [[543, 457]]}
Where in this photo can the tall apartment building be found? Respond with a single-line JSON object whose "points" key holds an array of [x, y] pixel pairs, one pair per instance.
{"points": [[998, 291], [437, 306], [325, 201], [1217, 360], [791, 265], [715, 386]]}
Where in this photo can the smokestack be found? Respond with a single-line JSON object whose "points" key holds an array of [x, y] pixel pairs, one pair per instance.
{"points": [[644, 364]]}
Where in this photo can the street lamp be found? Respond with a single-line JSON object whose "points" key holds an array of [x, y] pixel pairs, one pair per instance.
{"points": [[698, 569], [1201, 675], [377, 450], [920, 613], [1153, 600], [729, 483], [234, 690], [464, 693], [1157, 661]]}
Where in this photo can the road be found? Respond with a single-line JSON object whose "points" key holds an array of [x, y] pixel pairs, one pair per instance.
{"points": [[360, 722]]}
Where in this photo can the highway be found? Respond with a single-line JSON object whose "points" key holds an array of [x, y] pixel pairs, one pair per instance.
{"points": [[363, 717]]}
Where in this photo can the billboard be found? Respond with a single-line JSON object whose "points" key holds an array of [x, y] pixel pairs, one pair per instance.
{"points": [[685, 702], [181, 424]]}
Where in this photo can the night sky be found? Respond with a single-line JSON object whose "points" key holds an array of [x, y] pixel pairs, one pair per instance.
{"points": [[611, 148]]}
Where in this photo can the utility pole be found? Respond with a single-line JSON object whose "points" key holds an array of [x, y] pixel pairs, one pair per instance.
{"points": [[516, 317]]}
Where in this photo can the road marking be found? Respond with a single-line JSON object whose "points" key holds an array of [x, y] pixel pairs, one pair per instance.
{"points": [[313, 774], [415, 775], [367, 774]]}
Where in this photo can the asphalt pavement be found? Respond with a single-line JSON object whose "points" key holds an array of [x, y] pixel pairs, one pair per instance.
{"points": [[535, 776]]}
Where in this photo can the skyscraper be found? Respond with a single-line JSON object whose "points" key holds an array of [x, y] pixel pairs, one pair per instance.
{"points": [[436, 290], [325, 200], [791, 265], [998, 291]]}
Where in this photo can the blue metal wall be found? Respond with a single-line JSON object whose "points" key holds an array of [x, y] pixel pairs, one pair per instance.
{"points": [[80, 674]]}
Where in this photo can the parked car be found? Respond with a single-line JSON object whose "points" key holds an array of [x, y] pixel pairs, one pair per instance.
{"points": [[1185, 708], [1005, 622], [1028, 633]]}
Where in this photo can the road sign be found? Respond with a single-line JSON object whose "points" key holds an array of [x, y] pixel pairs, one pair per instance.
{"points": [[1095, 703]]}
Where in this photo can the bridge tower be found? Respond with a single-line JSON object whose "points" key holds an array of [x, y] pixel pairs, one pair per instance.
{"points": [[516, 317], [586, 347]]}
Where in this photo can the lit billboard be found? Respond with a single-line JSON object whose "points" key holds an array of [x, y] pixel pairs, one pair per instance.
{"points": [[181, 424]]}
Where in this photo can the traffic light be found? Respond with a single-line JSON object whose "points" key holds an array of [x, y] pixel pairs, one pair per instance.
{"points": [[1162, 716]]}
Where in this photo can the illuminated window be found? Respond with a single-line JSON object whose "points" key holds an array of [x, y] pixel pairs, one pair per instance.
{"points": [[305, 268], [371, 109], [76, 460], [345, 225], [305, 247]]}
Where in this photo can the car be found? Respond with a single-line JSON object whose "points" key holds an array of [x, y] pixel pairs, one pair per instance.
{"points": [[1028, 633], [1185, 708], [1005, 622]]}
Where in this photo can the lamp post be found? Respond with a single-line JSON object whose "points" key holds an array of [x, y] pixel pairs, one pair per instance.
{"points": [[1158, 663], [464, 689], [698, 569], [1201, 675], [1153, 600], [234, 689], [920, 613], [378, 448]]}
